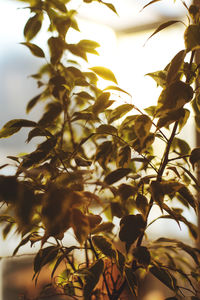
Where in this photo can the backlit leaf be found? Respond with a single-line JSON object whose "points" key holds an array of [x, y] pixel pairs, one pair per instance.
{"points": [[35, 50], [33, 102], [104, 73], [103, 227], [160, 77], [142, 204]]}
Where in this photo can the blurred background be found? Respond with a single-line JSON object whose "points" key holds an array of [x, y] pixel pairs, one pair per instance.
{"points": [[124, 49]]}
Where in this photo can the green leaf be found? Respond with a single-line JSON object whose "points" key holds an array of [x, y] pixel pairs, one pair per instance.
{"points": [[33, 26], [116, 175], [164, 276], [22, 243], [61, 258], [105, 246], [35, 50], [104, 73], [58, 4], [14, 126], [92, 278], [157, 193], [132, 280], [163, 26], [192, 37]]}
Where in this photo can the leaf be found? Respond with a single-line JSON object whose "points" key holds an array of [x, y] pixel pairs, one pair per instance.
{"points": [[35, 50], [163, 26], [105, 246], [22, 243], [61, 258], [142, 204], [151, 2], [157, 193], [192, 37], [33, 102], [14, 126], [117, 175], [187, 195], [104, 73], [142, 255], [131, 227], [81, 162], [52, 111], [92, 278], [160, 77], [132, 280], [103, 227], [43, 257], [110, 6], [173, 97], [194, 156], [106, 129], [142, 127], [32, 26], [80, 225], [164, 276], [101, 103], [56, 46], [124, 157], [115, 88], [175, 66], [120, 111]]}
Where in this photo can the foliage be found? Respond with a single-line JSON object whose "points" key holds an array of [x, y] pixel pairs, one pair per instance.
{"points": [[89, 162]]}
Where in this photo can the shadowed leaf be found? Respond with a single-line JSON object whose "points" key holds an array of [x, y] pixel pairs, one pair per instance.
{"points": [[35, 50]]}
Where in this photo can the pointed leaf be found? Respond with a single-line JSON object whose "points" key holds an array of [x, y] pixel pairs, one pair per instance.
{"points": [[115, 88], [14, 126], [104, 73], [132, 280], [35, 50], [163, 26], [92, 278], [105, 246], [192, 37], [32, 27], [117, 175]]}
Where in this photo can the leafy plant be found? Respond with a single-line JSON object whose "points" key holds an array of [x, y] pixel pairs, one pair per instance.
{"points": [[89, 165]]}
